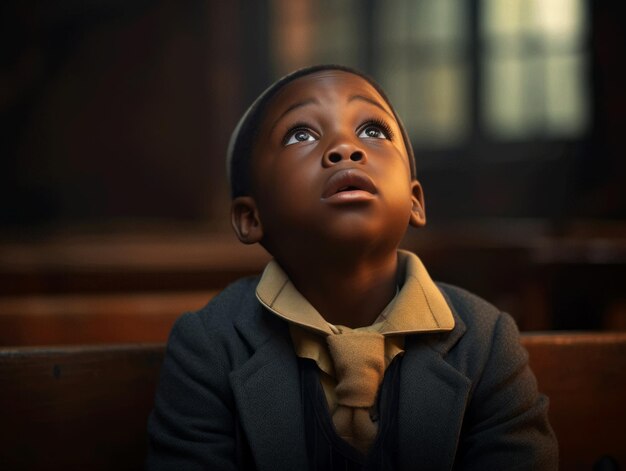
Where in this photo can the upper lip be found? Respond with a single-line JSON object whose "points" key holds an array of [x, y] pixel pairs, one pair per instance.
{"points": [[348, 179]]}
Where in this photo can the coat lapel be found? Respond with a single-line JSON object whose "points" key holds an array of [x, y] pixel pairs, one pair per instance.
{"points": [[266, 387], [268, 397], [433, 397]]}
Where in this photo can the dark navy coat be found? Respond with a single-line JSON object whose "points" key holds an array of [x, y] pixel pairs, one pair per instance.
{"points": [[229, 395]]}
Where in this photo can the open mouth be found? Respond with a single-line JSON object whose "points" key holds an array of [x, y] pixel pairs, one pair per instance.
{"points": [[348, 188], [349, 181]]}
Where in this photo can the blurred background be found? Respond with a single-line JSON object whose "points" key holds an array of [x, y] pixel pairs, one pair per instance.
{"points": [[115, 116]]}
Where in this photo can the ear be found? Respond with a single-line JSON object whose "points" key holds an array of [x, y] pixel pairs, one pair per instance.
{"points": [[418, 208], [244, 217]]}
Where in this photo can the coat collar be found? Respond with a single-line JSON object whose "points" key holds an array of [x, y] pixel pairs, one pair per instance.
{"points": [[419, 305]]}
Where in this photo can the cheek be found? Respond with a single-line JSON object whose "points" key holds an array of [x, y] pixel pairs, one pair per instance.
{"points": [[394, 171], [285, 195], [294, 174], [399, 194]]}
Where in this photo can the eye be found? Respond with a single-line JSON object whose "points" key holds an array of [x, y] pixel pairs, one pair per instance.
{"points": [[298, 135], [375, 130]]}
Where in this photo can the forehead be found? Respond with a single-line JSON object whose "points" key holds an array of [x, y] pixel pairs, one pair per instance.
{"points": [[323, 86]]}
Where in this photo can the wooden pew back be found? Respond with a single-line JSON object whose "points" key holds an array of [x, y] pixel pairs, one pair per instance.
{"points": [[584, 375], [86, 319], [86, 407], [76, 407]]}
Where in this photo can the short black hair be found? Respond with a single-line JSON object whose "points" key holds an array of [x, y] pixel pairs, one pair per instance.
{"points": [[243, 138]]}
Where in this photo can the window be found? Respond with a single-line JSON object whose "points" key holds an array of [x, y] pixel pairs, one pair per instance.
{"points": [[423, 66], [533, 65], [517, 67]]}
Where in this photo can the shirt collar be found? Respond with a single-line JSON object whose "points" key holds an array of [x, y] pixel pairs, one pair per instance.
{"points": [[419, 306]]}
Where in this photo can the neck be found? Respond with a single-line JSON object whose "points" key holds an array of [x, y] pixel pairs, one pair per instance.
{"points": [[349, 292]]}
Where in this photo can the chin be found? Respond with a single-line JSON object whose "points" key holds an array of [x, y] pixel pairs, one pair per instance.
{"points": [[351, 237]]}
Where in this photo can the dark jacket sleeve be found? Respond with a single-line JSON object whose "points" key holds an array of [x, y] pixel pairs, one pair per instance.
{"points": [[192, 426], [506, 424]]}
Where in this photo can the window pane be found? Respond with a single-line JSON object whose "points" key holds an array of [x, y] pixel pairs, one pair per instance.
{"points": [[394, 22], [436, 104], [502, 91], [438, 20], [565, 97], [503, 17], [558, 18], [396, 82], [422, 65], [533, 67]]}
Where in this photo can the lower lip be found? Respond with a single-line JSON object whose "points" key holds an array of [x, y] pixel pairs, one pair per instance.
{"points": [[352, 196]]}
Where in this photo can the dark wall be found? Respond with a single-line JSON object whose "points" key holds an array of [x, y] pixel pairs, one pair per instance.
{"points": [[116, 110]]}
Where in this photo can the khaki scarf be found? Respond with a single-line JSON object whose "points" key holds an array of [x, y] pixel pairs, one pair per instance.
{"points": [[359, 360]]}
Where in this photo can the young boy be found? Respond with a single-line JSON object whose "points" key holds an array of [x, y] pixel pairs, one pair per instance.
{"points": [[344, 354]]}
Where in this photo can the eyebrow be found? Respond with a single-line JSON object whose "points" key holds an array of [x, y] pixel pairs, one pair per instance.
{"points": [[372, 102], [294, 106]]}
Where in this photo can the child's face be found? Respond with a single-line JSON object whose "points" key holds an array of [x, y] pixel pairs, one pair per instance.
{"points": [[330, 162]]}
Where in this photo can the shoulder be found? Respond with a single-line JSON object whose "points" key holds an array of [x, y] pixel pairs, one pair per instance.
{"points": [[213, 328], [235, 298], [234, 323], [235, 301], [476, 314], [505, 411], [481, 330]]}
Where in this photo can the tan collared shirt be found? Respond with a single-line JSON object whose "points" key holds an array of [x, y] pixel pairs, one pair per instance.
{"points": [[418, 307]]}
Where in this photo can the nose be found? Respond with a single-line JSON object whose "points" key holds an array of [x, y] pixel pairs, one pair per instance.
{"points": [[343, 151]]}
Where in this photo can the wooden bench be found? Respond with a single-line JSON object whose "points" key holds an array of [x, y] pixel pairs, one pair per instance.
{"points": [[76, 407], [86, 407], [106, 318], [584, 375], [546, 279]]}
